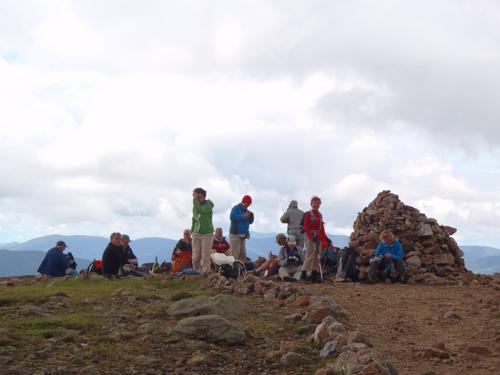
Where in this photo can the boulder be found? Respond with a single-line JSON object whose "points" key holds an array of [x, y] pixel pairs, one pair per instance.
{"points": [[211, 328], [222, 304], [293, 359]]}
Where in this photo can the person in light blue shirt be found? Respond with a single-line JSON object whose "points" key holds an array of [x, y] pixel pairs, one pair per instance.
{"points": [[388, 261]]}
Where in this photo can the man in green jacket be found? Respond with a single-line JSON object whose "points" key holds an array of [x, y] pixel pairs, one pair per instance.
{"points": [[202, 230]]}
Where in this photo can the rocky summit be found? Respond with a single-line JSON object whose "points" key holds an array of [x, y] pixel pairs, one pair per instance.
{"points": [[428, 246]]}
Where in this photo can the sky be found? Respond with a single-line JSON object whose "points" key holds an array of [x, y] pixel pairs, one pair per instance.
{"points": [[112, 112]]}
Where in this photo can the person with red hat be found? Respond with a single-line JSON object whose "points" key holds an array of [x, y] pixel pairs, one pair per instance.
{"points": [[316, 240], [241, 218]]}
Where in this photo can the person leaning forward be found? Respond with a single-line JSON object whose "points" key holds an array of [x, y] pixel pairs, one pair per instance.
{"points": [[241, 218], [202, 230]]}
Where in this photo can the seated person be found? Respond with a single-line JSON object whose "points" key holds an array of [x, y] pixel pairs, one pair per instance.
{"points": [[388, 260], [330, 257], [220, 245], [347, 268], [290, 260], [269, 267], [71, 270], [55, 263], [112, 258], [182, 254], [128, 255]]}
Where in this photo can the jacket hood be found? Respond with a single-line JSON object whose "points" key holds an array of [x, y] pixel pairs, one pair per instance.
{"points": [[293, 204]]}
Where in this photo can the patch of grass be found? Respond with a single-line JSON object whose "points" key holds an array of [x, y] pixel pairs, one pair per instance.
{"points": [[72, 321]]}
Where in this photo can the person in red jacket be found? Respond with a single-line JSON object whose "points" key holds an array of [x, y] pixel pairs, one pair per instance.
{"points": [[220, 245], [314, 229]]}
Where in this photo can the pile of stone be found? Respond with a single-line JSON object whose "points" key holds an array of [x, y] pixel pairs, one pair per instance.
{"points": [[327, 321], [428, 246]]}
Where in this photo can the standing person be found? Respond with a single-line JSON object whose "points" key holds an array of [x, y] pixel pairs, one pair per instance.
{"points": [[314, 229], [202, 230], [112, 258], [220, 245], [55, 263], [241, 218], [182, 254], [293, 216]]}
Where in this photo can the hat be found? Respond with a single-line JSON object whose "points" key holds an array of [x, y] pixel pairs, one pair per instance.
{"points": [[291, 240], [246, 199], [61, 243], [126, 237]]}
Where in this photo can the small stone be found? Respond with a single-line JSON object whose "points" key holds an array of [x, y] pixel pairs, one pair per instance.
{"points": [[329, 349], [293, 317], [316, 316], [325, 371], [270, 296], [304, 300], [293, 359], [321, 334], [450, 314], [479, 350], [336, 327]]}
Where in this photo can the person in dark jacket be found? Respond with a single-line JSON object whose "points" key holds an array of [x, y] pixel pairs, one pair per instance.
{"points": [[128, 255], [241, 218], [55, 262], [182, 254], [112, 258]]}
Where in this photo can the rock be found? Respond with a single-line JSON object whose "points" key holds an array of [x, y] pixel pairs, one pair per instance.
{"points": [[316, 316], [321, 334], [221, 304], [90, 370], [329, 349], [328, 320], [414, 261], [450, 314], [358, 337], [180, 296], [293, 359], [32, 310], [425, 230], [197, 358], [303, 300], [325, 371], [211, 328], [362, 362], [479, 350], [293, 317], [288, 346], [335, 328], [270, 296]]}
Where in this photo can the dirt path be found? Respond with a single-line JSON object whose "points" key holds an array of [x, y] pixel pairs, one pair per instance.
{"points": [[407, 323]]}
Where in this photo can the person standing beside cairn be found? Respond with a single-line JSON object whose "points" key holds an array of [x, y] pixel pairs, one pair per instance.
{"points": [[241, 218], [202, 230], [293, 217], [314, 229]]}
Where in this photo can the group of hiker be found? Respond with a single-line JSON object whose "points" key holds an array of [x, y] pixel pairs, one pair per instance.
{"points": [[306, 253]]}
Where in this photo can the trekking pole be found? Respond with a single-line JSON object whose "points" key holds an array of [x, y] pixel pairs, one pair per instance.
{"points": [[320, 268]]}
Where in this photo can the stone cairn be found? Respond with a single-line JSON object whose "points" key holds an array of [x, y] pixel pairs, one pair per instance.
{"points": [[428, 247]]}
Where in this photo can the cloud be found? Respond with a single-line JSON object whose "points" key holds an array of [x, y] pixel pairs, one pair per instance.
{"points": [[110, 118]]}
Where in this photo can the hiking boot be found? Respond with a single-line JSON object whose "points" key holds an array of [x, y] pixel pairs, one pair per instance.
{"points": [[339, 279], [316, 277], [303, 276], [289, 279]]}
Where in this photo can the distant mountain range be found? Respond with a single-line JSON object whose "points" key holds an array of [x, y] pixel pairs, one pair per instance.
{"points": [[480, 259]]}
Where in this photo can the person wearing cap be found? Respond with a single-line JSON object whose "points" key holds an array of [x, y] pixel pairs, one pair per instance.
{"points": [[290, 260], [241, 218], [128, 255], [293, 217], [314, 229], [202, 230], [112, 258], [220, 245], [55, 263]]}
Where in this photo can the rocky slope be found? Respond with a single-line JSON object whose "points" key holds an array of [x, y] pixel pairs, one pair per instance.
{"points": [[208, 325]]}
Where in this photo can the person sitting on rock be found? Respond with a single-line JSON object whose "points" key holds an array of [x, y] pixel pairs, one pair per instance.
{"points": [[130, 263], [55, 263], [220, 245], [112, 258], [290, 260], [182, 254], [388, 260], [269, 267]]}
